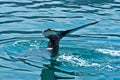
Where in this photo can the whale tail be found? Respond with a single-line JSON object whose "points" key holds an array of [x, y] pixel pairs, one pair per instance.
{"points": [[55, 36], [64, 33]]}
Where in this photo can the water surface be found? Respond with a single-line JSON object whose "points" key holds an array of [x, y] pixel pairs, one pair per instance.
{"points": [[92, 53]]}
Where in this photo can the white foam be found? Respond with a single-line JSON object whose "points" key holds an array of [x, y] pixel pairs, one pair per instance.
{"points": [[20, 41], [110, 52], [76, 61]]}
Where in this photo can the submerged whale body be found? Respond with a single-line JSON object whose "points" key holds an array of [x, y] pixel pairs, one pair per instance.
{"points": [[40, 53]]}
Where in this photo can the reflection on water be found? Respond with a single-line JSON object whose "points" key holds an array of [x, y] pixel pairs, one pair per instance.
{"points": [[92, 53], [28, 58], [48, 72]]}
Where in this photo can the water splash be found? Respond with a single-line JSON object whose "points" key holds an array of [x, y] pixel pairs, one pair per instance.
{"points": [[76, 61]]}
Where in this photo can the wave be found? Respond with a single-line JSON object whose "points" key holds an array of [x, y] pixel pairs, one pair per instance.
{"points": [[109, 52]]}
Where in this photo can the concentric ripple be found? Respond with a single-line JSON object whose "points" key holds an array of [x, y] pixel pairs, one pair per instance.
{"points": [[92, 53]]}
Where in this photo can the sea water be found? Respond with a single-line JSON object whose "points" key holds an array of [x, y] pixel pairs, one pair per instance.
{"points": [[92, 53]]}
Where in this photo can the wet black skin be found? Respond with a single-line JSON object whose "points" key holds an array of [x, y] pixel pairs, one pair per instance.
{"points": [[54, 39]]}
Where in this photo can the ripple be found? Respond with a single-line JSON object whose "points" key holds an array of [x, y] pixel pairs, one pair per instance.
{"points": [[52, 5], [116, 35], [32, 17], [15, 68], [74, 61], [17, 3], [92, 52], [11, 21], [86, 2], [20, 32], [11, 12]]}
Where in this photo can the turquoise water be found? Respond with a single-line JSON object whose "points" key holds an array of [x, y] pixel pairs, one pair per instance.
{"points": [[92, 53]]}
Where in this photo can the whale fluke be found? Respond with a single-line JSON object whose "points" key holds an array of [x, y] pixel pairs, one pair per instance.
{"points": [[64, 33], [55, 36]]}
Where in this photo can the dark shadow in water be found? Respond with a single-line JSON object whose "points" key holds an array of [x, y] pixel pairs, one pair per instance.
{"points": [[48, 72]]}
